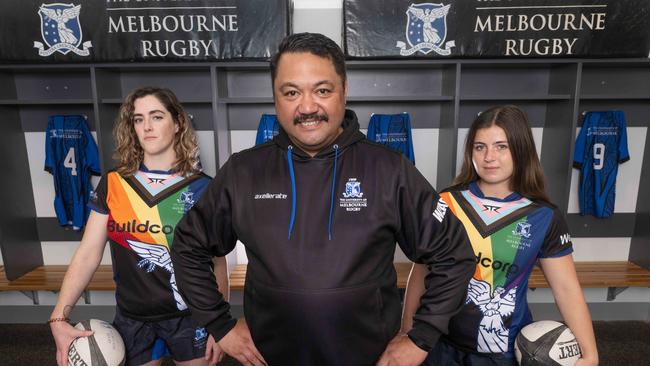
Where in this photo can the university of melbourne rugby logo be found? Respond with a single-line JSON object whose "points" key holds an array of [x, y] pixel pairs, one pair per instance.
{"points": [[522, 229], [186, 198], [353, 189], [353, 200], [184, 202], [426, 30], [200, 337], [61, 30]]}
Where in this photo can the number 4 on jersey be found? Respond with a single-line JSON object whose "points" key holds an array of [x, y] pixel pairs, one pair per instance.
{"points": [[69, 161]]}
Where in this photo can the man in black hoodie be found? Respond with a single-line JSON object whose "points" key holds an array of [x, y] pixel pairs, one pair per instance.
{"points": [[319, 210]]}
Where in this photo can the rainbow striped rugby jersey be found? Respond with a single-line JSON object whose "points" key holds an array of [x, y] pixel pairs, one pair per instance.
{"points": [[143, 210], [508, 237]]}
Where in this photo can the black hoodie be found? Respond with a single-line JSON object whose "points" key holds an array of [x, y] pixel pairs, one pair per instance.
{"points": [[320, 236]]}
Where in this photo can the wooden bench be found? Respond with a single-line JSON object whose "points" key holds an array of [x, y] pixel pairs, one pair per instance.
{"points": [[614, 276], [50, 278]]}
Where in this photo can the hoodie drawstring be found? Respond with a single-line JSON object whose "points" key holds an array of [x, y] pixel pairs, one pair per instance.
{"points": [[329, 226], [293, 190]]}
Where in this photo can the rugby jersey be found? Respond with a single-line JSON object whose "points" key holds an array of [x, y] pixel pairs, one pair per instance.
{"points": [[394, 131], [601, 146], [508, 237], [71, 157], [268, 128], [143, 210]]}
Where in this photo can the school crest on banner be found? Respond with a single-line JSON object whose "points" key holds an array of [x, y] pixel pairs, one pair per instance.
{"points": [[61, 30], [75, 31], [426, 30], [437, 29]]}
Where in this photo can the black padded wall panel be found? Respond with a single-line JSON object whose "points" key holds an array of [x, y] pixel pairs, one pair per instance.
{"points": [[21, 248]]}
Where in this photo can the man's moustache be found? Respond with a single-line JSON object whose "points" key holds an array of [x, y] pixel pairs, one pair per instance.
{"points": [[306, 117]]}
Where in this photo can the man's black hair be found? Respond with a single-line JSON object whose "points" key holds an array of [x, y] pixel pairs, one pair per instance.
{"points": [[314, 43]]}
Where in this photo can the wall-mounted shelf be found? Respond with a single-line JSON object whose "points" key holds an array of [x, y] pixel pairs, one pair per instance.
{"points": [[27, 102], [517, 97]]}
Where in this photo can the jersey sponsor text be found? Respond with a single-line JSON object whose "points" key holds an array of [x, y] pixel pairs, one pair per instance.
{"points": [[134, 227], [497, 265]]}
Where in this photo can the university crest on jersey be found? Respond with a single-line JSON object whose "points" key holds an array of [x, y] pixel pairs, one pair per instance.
{"points": [[426, 30], [522, 229], [186, 198], [61, 30]]}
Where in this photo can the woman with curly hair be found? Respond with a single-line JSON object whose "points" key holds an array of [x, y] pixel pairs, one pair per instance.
{"points": [[136, 207]]}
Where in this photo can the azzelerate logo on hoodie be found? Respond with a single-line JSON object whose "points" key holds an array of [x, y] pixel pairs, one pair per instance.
{"points": [[271, 196], [353, 197]]}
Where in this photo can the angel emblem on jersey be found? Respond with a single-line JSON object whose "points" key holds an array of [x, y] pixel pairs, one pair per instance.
{"points": [[157, 255], [61, 30], [426, 30], [492, 334]]}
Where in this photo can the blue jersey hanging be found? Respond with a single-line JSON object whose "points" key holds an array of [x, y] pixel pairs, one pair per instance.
{"points": [[268, 128], [71, 157], [600, 147], [394, 131]]}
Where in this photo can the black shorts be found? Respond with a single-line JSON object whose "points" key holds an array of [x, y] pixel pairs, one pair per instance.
{"points": [[444, 353], [147, 341]]}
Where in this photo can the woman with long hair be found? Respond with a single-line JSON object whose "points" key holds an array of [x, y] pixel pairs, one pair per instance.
{"points": [[136, 207], [500, 198]]}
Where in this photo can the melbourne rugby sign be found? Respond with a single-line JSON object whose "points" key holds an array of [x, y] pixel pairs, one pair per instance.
{"points": [[140, 30], [498, 28]]}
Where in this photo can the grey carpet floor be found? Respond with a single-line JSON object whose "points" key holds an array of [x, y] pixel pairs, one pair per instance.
{"points": [[619, 343]]}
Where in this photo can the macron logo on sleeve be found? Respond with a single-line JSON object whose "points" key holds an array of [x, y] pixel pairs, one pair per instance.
{"points": [[565, 238], [441, 210]]}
